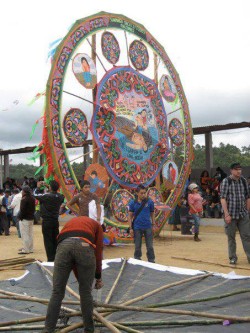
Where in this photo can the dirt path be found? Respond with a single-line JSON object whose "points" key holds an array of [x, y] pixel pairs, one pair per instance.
{"points": [[213, 248]]}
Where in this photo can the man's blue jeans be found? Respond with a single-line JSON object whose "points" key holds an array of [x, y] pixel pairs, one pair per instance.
{"points": [[196, 223], [148, 234], [72, 252]]}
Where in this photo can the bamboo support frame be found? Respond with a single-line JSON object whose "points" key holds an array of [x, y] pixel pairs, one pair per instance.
{"points": [[167, 286], [116, 282]]}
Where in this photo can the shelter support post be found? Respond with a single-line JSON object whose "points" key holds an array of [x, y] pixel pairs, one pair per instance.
{"points": [[1, 171], [209, 151], [86, 158], [6, 166]]}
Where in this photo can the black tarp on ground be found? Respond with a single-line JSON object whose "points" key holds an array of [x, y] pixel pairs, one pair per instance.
{"points": [[138, 279]]}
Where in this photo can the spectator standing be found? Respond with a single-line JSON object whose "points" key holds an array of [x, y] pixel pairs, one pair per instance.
{"points": [[235, 201], [15, 205], [195, 202], [207, 202], [4, 225], [83, 199], [27, 210], [215, 204], [141, 219], [7, 197], [80, 244], [205, 180], [50, 204]]}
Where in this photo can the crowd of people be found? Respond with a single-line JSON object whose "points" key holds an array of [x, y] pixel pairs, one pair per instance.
{"points": [[210, 188]]}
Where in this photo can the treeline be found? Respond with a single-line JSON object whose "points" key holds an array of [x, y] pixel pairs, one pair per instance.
{"points": [[224, 155]]}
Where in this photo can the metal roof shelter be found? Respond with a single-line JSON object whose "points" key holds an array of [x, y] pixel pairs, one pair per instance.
{"points": [[206, 130]]}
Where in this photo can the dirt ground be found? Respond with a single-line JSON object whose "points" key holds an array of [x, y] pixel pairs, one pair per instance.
{"points": [[212, 248]]}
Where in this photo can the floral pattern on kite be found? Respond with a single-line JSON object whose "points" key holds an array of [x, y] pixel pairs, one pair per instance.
{"points": [[138, 54], [176, 131], [85, 71], [167, 88], [130, 127], [120, 205], [110, 47], [75, 127]]}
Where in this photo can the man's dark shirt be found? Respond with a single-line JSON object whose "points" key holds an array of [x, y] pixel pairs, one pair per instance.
{"points": [[50, 205]]}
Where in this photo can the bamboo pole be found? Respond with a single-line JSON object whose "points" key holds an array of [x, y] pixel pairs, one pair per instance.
{"points": [[167, 286], [157, 178], [89, 152], [106, 195], [126, 329], [116, 282], [12, 259], [152, 323], [210, 262], [23, 321], [17, 262], [178, 312], [36, 319], [94, 55], [97, 315], [198, 300], [35, 299], [71, 328], [15, 266], [25, 328]]}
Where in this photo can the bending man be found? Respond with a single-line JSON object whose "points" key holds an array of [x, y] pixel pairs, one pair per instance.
{"points": [[79, 248]]}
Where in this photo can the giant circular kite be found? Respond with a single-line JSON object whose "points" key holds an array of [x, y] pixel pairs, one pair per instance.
{"points": [[109, 66]]}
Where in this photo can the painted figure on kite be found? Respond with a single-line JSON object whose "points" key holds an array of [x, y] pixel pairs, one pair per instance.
{"points": [[167, 89], [95, 182]]}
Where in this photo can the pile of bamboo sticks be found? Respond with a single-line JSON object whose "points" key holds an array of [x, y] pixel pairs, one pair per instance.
{"points": [[103, 310], [15, 263]]}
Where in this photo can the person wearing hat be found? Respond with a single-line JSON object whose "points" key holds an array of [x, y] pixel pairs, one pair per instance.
{"points": [[195, 202], [235, 201], [26, 215]]}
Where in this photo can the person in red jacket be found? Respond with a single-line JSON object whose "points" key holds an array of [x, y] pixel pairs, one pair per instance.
{"points": [[80, 245]]}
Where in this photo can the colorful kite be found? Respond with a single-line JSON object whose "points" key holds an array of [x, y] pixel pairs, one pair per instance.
{"points": [[136, 120]]}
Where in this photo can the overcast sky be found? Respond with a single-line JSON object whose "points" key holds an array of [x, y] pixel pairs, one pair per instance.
{"points": [[207, 41]]}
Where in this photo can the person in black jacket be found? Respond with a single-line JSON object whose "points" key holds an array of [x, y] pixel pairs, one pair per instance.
{"points": [[26, 215], [50, 204]]}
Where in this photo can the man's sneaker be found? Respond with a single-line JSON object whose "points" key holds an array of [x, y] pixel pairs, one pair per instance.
{"points": [[233, 261]]}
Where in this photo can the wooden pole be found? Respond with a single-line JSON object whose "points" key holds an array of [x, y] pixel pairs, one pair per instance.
{"points": [[93, 55], [197, 300], [106, 195], [25, 328], [158, 178], [179, 312], [210, 262], [126, 329], [87, 153], [116, 282], [35, 299], [71, 327]]}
